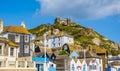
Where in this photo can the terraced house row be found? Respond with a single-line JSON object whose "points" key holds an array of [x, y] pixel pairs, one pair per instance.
{"points": [[20, 51]]}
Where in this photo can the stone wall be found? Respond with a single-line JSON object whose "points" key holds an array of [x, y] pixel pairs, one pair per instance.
{"points": [[28, 58]]}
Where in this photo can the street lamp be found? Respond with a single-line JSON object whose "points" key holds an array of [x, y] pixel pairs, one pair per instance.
{"points": [[45, 49]]}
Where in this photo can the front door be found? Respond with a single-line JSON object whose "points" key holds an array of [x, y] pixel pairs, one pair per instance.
{"points": [[39, 67]]}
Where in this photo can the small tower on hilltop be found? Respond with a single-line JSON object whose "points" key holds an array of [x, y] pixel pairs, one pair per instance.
{"points": [[68, 21], [1, 26], [23, 24], [65, 22], [57, 19]]}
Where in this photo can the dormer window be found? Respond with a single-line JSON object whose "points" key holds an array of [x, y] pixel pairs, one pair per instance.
{"points": [[17, 38]]}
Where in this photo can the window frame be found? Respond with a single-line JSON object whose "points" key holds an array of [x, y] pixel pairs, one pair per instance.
{"points": [[26, 38], [0, 49], [17, 37], [11, 52], [26, 49], [41, 67]]}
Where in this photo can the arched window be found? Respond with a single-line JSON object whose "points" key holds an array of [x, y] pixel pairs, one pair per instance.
{"points": [[37, 49], [66, 48]]}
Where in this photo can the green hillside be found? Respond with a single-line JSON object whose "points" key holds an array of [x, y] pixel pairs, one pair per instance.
{"points": [[83, 36]]}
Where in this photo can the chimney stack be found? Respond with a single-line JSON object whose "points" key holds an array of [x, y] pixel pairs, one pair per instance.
{"points": [[23, 24], [1, 26]]}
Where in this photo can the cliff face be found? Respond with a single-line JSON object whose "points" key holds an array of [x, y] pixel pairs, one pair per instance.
{"points": [[83, 36]]}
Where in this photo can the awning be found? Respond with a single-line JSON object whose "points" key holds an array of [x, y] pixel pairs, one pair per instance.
{"points": [[38, 59]]}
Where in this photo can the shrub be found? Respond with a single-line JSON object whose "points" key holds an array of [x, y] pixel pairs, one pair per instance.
{"points": [[63, 52]]}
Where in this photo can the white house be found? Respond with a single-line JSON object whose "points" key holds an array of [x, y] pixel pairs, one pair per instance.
{"points": [[57, 40], [85, 61], [9, 57], [90, 64], [78, 65], [95, 65], [8, 53], [114, 62]]}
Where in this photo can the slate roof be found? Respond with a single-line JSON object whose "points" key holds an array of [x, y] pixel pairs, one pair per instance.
{"points": [[16, 29]]}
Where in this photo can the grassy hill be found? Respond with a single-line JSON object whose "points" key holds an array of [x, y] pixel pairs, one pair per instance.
{"points": [[83, 36]]}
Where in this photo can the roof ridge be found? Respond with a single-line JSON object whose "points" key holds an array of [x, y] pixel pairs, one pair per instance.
{"points": [[16, 29]]}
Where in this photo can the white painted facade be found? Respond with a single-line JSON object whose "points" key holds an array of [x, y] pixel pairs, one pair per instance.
{"points": [[84, 65], [96, 65], [78, 64], [58, 41], [8, 60]]}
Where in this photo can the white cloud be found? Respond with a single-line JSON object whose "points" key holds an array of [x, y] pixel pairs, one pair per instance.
{"points": [[81, 9]]}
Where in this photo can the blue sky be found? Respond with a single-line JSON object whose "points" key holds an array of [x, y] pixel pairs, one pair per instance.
{"points": [[101, 15]]}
